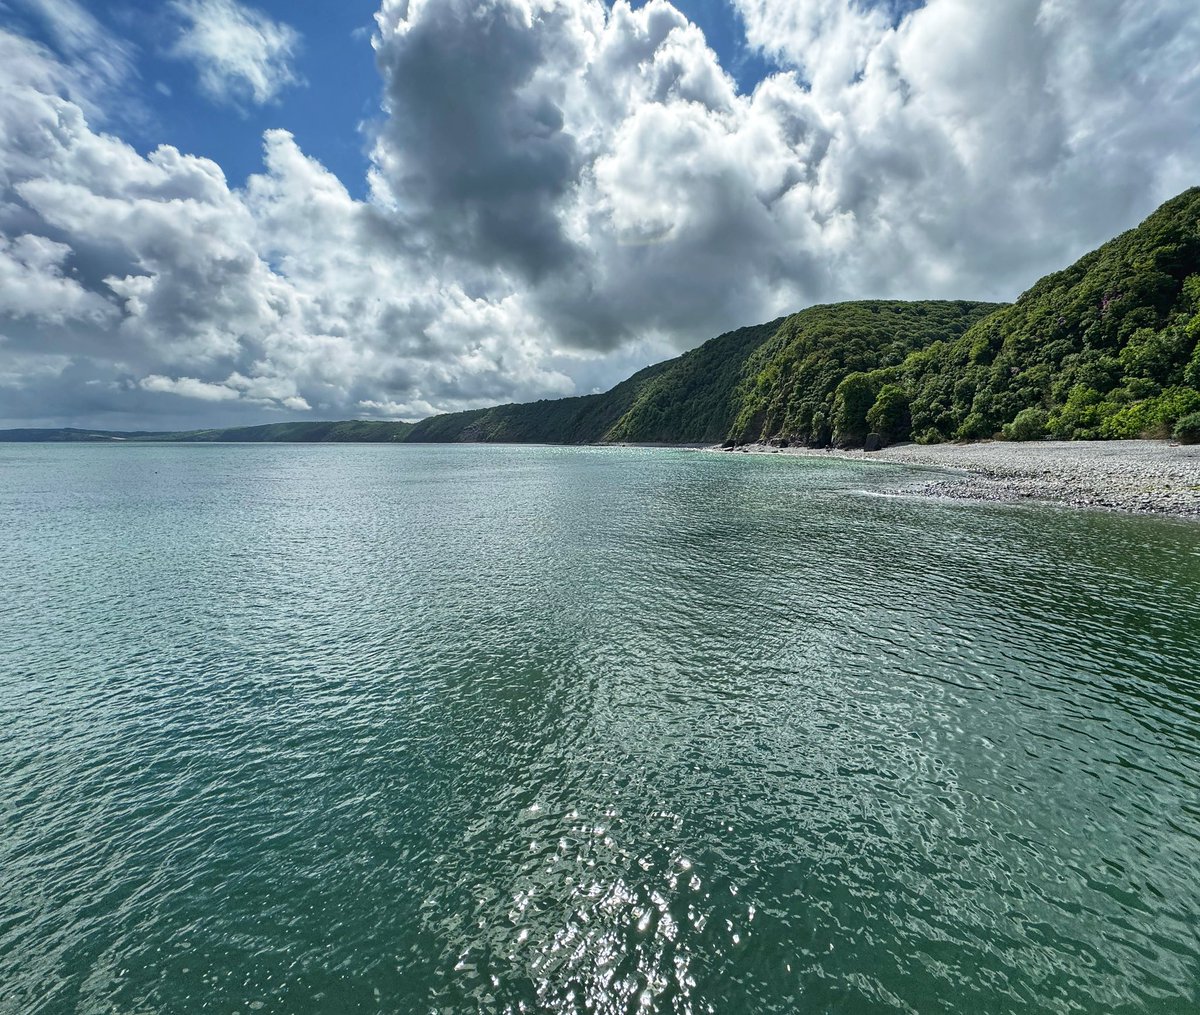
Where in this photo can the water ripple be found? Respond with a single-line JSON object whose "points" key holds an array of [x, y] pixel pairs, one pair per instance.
{"points": [[361, 729]]}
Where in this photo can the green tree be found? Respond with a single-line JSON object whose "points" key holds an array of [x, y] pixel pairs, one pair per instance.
{"points": [[1029, 425], [889, 415], [852, 401]]}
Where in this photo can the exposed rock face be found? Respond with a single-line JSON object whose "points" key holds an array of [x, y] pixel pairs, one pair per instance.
{"points": [[874, 442]]}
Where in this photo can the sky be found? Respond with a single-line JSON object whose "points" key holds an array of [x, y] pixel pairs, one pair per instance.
{"points": [[215, 212]]}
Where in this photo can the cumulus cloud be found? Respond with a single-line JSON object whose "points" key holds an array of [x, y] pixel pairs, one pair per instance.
{"points": [[266, 391], [31, 276], [155, 279], [620, 182], [474, 149], [239, 52], [561, 191]]}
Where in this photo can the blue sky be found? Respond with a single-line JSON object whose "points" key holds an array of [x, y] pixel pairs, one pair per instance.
{"points": [[338, 89]]}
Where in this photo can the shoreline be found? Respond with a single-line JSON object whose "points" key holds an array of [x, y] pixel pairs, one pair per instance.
{"points": [[1145, 477]]}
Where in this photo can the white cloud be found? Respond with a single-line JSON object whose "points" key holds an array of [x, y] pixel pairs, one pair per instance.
{"points": [[561, 192], [188, 387], [35, 287], [267, 392], [240, 53], [156, 277], [614, 177], [828, 41]]}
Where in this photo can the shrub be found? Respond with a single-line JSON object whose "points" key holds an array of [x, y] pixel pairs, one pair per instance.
{"points": [[820, 435], [930, 435], [1153, 354], [1187, 430], [1079, 417], [1135, 389], [1129, 423], [1088, 369], [973, 428], [1029, 425], [1151, 417]]}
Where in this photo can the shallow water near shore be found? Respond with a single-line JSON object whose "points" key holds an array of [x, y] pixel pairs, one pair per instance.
{"points": [[398, 729]]}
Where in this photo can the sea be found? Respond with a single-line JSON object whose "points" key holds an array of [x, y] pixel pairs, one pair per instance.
{"points": [[390, 729]]}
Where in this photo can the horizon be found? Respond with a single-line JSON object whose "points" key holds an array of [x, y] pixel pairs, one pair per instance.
{"points": [[217, 213]]}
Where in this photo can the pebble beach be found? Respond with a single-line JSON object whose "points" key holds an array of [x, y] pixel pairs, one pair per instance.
{"points": [[1144, 477]]}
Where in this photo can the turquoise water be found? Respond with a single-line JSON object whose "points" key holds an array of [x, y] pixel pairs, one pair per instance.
{"points": [[401, 729]]}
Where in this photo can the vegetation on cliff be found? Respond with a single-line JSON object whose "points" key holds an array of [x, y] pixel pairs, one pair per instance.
{"points": [[774, 379], [1107, 348], [821, 373]]}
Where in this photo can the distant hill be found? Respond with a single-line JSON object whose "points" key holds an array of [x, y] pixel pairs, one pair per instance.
{"points": [[681, 401], [583, 419], [348, 431], [73, 435], [355, 431], [1108, 348]]}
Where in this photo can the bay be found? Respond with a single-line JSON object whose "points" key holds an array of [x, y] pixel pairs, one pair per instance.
{"points": [[396, 729]]}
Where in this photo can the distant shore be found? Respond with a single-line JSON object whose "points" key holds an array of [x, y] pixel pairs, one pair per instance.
{"points": [[1144, 477]]}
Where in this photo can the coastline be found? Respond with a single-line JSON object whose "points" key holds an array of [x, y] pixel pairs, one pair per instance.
{"points": [[1140, 477], [1146, 477]]}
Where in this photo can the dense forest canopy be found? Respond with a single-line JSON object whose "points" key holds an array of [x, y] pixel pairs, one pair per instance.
{"points": [[1105, 349], [807, 382]]}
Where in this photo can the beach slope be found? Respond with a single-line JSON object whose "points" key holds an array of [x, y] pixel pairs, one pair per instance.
{"points": [[1148, 477]]}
